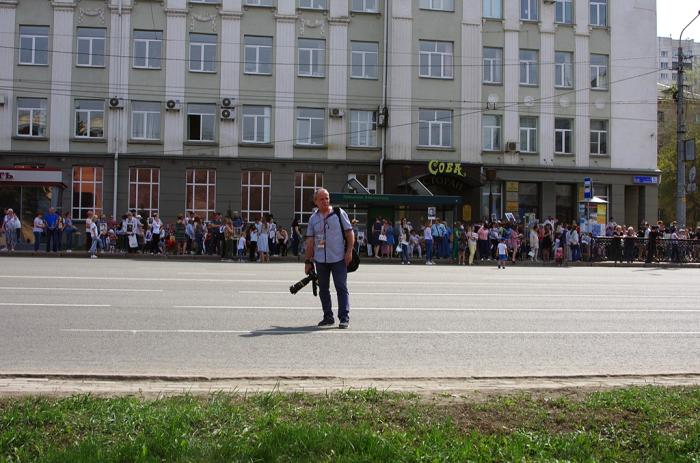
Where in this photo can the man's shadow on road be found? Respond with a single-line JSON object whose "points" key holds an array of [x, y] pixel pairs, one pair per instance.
{"points": [[283, 331]]}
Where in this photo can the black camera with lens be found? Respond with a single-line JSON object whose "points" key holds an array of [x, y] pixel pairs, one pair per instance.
{"points": [[310, 278]]}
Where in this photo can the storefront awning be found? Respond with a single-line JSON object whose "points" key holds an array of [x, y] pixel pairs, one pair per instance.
{"points": [[395, 200]]}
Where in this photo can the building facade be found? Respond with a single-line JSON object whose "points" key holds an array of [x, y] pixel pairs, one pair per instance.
{"points": [[249, 105], [668, 62]]}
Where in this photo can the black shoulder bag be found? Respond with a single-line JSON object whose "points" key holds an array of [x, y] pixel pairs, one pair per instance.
{"points": [[355, 262]]}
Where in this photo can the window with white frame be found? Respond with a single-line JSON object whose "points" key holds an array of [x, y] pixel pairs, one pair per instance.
{"points": [[436, 59], [364, 57], [258, 55], [563, 135], [86, 191], [493, 65], [204, 1], [528, 67], [599, 13], [200, 122], [202, 52], [563, 69], [147, 49], [258, 2], [144, 186], [34, 45], [145, 120], [200, 192], [256, 124], [365, 6], [31, 117], [441, 5], [311, 126], [311, 57], [313, 4], [664, 75], [528, 134], [664, 65], [491, 132], [599, 137], [255, 194], [664, 53], [493, 9], [599, 72], [89, 118], [305, 184], [91, 47], [363, 128], [435, 128], [564, 11], [529, 10]]}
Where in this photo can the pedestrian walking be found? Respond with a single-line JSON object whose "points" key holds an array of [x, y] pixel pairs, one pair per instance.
{"points": [[502, 249]]}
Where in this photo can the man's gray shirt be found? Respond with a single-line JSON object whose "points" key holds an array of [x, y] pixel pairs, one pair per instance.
{"points": [[329, 246]]}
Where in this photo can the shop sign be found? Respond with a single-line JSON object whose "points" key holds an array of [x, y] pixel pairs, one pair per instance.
{"points": [[30, 176], [646, 180], [436, 167]]}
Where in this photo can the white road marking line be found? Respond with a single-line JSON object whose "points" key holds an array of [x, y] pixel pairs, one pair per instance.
{"points": [[263, 331], [28, 304], [48, 288], [519, 295], [439, 309]]}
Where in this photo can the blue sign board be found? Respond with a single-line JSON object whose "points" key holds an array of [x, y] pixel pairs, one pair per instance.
{"points": [[646, 179], [587, 188]]}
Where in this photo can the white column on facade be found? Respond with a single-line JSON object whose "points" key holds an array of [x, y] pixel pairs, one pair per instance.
{"points": [[61, 70], [230, 82], [401, 71], [175, 43], [546, 127], [119, 53], [7, 56], [338, 82], [471, 60], [285, 74], [511, 78], [583, 83]]}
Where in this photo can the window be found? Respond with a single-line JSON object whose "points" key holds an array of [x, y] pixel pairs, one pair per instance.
{"points": [[564, 11], [144, 184], [365, 6], [563, 134], [493, 65], [31, 117], [204, 1], [528, 10], [599, 72], [664, 65], [491, 133], [442, 5], [563, 69], [147, 49], [311, 126], [492, 9], [492, 200], [364, 60], [34, 45], [200, 190], [258, 2], [89, 118], [664, 53], [363, 128], [91, 47], [528, 67], [664, 76], [202, 52], [311, 57], [435, 59], [435, 128], [305, 183], [599, 137], [258, 55], [528, 134], [145, 120], [599, 13], [255, 194], [256, 124], [200, 122], [87, 191], [313, 4]]}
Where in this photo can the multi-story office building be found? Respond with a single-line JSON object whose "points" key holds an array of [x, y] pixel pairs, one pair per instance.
{"points": [[668, 61], [249, 105]]}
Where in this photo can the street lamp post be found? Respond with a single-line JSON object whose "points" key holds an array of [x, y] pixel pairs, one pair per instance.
{"points": [[680, 134]]}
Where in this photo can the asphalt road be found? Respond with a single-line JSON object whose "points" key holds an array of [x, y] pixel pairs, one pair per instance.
{"points": [[143, 317]]}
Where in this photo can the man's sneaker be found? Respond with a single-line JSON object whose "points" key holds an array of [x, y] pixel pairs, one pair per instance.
{"points": [[69, 251], [343, 325], [326, 322], [93, 256]]}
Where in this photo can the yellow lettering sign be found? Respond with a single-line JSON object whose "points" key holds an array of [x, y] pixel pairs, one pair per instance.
{"points": [[432, 166], [437, 167]]}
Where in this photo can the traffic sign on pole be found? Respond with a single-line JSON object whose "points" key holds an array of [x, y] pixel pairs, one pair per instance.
{"points": [[587, 188]]}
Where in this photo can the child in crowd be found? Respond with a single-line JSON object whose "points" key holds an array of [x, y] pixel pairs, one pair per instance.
{"points": [[558, 252], [241, 247], [502, 253]]}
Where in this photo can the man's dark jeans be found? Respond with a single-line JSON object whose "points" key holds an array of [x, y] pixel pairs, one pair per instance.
{"points": [[340, 280], [52, 238]]}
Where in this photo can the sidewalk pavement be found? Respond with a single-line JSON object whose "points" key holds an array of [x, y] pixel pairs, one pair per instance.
{"points": [[152, 387]]}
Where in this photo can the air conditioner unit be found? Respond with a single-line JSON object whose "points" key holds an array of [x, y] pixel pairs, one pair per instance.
{"points": [[116, 103], [511, 147], [227, 102], [173, 105], [227, 114], [382, 116], [336, 112], [2, 100]]}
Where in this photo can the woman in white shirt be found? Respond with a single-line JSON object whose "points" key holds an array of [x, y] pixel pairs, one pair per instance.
{"points": [[156, 227], [38, 229]]}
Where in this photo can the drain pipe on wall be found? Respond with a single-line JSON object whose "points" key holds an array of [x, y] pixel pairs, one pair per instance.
{"points": [[119, 121], [384, 87]]}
